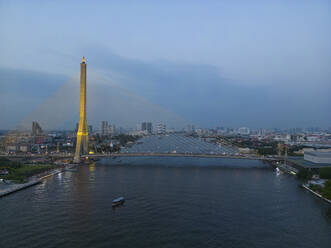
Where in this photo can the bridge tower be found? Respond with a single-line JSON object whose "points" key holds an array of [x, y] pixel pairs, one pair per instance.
{"points": [[82, 133]]}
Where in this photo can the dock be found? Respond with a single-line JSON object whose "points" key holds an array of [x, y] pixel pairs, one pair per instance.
{"points": [[287, 169]]}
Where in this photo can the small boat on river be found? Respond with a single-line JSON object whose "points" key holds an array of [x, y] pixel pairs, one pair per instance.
{"points": [[118, 201], [71, 167]]}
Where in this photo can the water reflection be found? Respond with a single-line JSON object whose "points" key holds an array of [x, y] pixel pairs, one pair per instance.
{"points": [[92, 173], [92, 167]]}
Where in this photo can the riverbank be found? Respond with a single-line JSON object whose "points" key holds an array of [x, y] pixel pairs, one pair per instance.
{"points": [[21, 172], [287, 169], [320, 189], [315, 193], [16, 187], [9, 188]]}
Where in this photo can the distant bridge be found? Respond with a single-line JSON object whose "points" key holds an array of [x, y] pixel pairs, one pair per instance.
{"points": [[180, 155], [105, 155]]}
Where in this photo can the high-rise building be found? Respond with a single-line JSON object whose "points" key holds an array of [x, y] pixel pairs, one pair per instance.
{"points": [[76, 128], [161, 128], [147, 126], [36, 129], [104, 128], [90, 129], [107, 129], [82, 134], [112, 129], [188, 129], [143, 126]]}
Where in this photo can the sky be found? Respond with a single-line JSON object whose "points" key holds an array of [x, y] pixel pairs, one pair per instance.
{"points": [[260, 64]]}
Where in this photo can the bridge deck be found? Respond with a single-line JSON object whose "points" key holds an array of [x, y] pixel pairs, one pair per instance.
{"points": [[143, 155]]}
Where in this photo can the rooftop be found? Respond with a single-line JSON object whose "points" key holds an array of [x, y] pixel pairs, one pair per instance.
{"points": [[319, 154], [307, 164]]}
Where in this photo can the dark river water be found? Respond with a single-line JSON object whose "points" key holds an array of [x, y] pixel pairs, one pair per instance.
{"points": [[171, 202]]}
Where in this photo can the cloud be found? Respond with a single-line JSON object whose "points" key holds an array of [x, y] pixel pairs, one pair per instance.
{"points": [[128, 91], [203, 96], [105, 101]]}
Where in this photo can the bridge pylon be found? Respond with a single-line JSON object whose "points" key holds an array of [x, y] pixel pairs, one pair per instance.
{"points": [[82, 133]]}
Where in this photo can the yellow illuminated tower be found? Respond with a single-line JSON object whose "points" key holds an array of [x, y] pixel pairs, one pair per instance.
{"points": [[82, 133]]}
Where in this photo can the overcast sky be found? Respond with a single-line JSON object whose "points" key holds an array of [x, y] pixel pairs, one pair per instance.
{"points": [[213, 63]]}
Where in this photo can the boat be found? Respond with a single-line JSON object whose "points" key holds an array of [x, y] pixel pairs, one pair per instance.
{"points": [[278, 171], [118, 201], [71, 167]]}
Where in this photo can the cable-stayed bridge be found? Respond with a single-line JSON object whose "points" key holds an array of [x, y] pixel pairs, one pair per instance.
{"points": [[172, 145]]}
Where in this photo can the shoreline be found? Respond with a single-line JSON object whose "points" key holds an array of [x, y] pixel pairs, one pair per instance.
{"points": [[287, 169], [52, 173], [315, 193], [37, 179], [34, 180], [17, 187]]}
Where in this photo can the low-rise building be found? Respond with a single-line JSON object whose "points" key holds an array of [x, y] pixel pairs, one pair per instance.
{"points": [[244, 150], [318, 157], [244, 131]]}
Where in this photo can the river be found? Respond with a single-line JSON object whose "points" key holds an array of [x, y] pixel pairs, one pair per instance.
{"points": [[170, 202]]}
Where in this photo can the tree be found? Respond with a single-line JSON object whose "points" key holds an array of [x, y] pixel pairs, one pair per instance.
{"points": [[325, 173], [326, 193], [304, 174]]}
